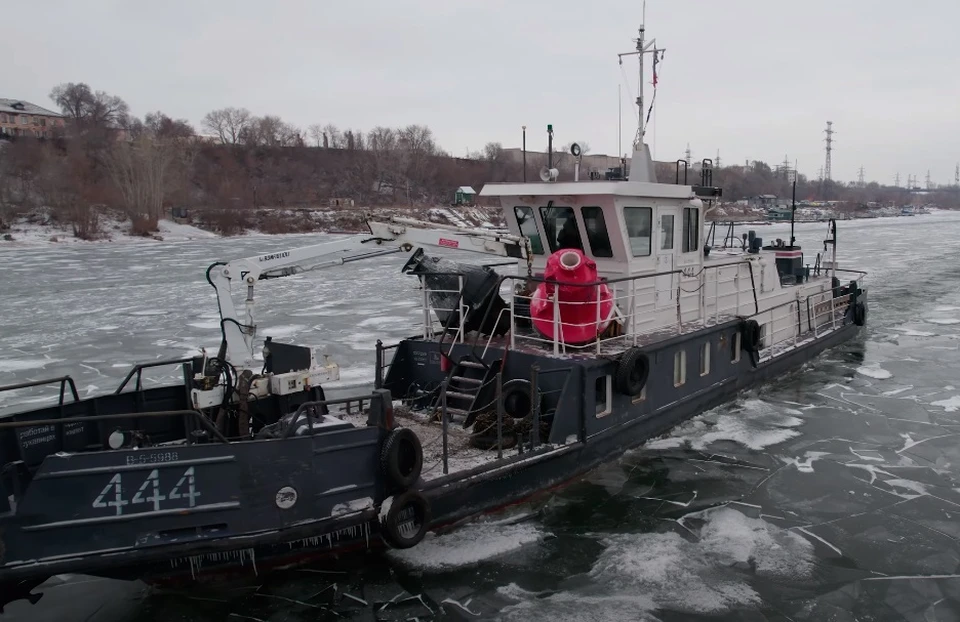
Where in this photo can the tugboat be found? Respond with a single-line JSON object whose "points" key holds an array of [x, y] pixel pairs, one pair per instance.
{"points": [[622, 320]]}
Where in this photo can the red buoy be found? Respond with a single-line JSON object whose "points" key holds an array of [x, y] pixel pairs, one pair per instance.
{"points": [[579, 324]]}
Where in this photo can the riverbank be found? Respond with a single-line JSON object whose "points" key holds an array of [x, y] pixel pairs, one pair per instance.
{"points": [[41, 228]]}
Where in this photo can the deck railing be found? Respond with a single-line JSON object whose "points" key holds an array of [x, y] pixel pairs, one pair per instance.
{"points": [[663, 303]]}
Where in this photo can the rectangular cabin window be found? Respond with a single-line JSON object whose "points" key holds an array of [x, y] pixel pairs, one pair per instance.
{"points": [[639, 398], [691, 229], [666, 232], [705, 359], [560, 227], [735, 354], [603, 395], [638, 221], [528, 227], [679, 368], [597, 235]]}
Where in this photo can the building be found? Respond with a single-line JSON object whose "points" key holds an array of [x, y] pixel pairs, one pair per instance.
{"points": [[765, 201], [20, 118], [465, 196]]}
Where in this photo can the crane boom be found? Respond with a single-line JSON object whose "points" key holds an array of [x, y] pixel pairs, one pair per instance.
{"points": [[386, 236]]}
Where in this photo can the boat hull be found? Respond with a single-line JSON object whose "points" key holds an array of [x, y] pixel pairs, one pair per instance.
{"points": [[453, 498]]}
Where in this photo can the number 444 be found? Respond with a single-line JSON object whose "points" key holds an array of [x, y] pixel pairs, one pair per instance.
{"points": [[112, 495]]}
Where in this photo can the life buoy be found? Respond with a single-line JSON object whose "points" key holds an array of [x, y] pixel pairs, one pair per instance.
{"points": [[517, 398], [406, 521], [401, 458], [633, 369], [750, 336], [859, 314]]}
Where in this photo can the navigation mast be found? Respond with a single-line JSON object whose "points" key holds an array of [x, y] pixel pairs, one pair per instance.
{"points": [[641, 165]]}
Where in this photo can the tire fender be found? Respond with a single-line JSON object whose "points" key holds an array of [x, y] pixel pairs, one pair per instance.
{"points": [[633, 370], [517, 398], [860, 314], [406, 520], [401, 458], [750, 339]]}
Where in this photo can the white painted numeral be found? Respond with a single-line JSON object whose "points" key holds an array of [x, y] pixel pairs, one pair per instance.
{"points": [[152, 481], [115, 486], [191, 493]]}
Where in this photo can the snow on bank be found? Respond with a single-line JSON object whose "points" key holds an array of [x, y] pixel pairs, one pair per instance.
{"points": [[26, 234], [39, 230]]}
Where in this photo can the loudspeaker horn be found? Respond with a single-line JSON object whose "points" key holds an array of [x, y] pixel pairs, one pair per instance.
{"points": [[548, 174]]}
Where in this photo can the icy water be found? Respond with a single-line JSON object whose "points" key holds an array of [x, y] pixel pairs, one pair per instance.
{"points": [[832, 493]]}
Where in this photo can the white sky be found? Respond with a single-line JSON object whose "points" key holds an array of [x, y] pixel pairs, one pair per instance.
{"points": [[755, 79]]}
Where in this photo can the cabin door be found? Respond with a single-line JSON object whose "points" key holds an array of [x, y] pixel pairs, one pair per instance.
{"points": [[665, 243]]}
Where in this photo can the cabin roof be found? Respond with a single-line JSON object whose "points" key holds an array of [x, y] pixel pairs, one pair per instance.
{"points": [[589, 188], [466, 190]]}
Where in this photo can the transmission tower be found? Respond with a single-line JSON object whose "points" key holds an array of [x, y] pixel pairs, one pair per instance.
{"points": [[717, 163], [860, 177], [826, 167], [689, 155], [896, 180], [929, 184], [956, 176], [820, 174]]}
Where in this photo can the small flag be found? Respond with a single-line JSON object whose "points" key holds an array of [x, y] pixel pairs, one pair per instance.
{"points": [[655, 60]]}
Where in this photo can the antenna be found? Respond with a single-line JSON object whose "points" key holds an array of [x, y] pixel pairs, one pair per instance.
{"points": [[896, 180], [642, 49], [619, 121], [860, 177]]}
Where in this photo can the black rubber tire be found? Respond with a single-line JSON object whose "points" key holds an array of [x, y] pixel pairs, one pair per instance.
{"points": [[633, 369], [750, 339], [835, 283], [517, 399], [407, 520], [401, 458], [859, 314]]}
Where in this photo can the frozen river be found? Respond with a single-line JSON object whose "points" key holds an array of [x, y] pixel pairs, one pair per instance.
{"points": [[830, 494]]}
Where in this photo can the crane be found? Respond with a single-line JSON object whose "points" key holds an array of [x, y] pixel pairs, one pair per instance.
{"points": [[387, 236]]}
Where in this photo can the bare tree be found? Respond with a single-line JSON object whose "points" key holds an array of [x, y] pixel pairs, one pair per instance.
{"points": [[493, 152], [144, 171], [87, 108], [382, 142], [162, 126], [333, 136], [229, 124], [317, 134]]}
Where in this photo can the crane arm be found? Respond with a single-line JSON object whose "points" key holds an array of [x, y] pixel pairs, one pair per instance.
{"points": [[386, 236]]}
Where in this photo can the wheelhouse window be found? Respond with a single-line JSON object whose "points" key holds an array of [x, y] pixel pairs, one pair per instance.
{"points": [[691, 229], [560, 227], [597, 235], [666, 232], [528, 228], [638, 220]]}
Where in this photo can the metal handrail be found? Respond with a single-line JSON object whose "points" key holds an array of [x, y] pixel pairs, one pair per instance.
{"points": [[139, 367], [63, 380], [307, 408]]}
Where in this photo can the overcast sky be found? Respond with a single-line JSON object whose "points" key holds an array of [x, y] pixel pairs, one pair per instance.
{"points": [[756, 79]]}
